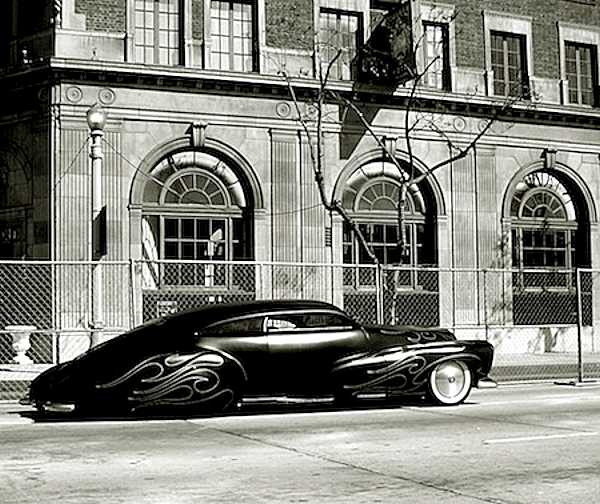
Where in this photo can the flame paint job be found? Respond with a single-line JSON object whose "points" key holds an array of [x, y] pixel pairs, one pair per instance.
{"points": [[178, 380], [396, 369]]}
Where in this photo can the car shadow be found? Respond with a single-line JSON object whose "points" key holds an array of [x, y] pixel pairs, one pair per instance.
{"points": [[271, 406]]}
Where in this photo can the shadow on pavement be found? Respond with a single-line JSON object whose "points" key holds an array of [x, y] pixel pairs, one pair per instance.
{"points": [[277, 406]]}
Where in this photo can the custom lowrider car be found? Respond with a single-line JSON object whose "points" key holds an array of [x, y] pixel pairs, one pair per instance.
{"points": [[209, 359]]}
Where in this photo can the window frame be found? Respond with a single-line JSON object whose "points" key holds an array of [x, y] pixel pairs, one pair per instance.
{"points": [[348, 326], [258, 38], [580, 35], [507, 83], [156, 30], [231, 36], [230, 209], [369, 217], [524, 276], [208, 269], [593, 64], [446, 79], [442, 14], [512, 24], [359, 41]]}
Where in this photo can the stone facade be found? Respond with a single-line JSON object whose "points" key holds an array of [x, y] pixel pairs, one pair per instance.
{"points": [[249, 123]]}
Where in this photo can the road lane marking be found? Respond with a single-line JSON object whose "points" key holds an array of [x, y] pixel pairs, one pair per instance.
{"points": [[538, 438]]}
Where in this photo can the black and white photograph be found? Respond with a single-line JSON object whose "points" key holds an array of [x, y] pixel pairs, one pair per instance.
{"points": [[299, 251]]}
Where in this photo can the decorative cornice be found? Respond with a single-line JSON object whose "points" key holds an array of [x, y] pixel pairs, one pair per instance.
{"points": [[115, 75]]}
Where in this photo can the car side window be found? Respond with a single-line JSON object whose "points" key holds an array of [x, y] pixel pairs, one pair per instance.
{"points": [[283, 322], [248, 325], [316, 320], [327, 320]]}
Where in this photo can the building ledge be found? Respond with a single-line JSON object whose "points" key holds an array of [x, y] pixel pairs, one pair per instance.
{"points": [[96, 72]]}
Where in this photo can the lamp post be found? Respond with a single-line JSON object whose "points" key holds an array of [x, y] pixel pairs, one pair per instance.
{"points": [[96, 119]]}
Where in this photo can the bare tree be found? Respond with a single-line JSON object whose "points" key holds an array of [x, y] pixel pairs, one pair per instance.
{"points": [[390, 62]]}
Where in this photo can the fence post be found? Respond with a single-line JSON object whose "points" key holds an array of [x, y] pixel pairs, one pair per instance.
{"points": [[579, 326], [260, 294], [485, 312], [379, 284], [133, 305]]}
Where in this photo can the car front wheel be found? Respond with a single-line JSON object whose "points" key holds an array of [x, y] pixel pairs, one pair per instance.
{"points": [[450, 382]]}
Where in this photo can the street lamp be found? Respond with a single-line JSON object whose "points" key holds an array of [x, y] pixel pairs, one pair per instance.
{"points": [[96, 119]]}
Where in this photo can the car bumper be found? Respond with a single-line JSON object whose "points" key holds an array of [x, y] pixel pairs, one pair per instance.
{"points": [[48, 406]]}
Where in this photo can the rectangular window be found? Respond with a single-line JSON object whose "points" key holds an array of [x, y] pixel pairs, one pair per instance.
{"points": [[436, 54], [157, 31], [549, 250], [196, 239], [383, 240], [340, 38], [581, 71], [232, 30], [509, 64]]}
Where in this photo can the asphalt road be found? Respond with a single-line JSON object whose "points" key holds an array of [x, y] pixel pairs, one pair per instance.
{"points": [[528, 444]]}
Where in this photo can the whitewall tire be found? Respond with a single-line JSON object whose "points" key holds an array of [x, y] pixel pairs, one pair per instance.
{"points": [[450, 382]]}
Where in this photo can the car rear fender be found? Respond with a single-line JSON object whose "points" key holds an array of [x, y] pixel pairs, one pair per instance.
{"points": [[179, 379], [400, 368]]}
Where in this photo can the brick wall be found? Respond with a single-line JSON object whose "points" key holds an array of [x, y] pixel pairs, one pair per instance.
{"points": [[289, 24], [103, 15], [544, 13]]}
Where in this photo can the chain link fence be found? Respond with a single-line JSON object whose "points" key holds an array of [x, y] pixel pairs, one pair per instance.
{"points": [[544, 324]]}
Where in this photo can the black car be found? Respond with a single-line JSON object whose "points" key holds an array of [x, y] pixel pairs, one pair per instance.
{"points": [[210, 358]]}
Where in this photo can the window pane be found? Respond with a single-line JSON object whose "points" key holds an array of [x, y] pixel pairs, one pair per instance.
{"points": [[187, 250], [171, 228], [203, 229], [202, 250], [187, 226], [171, 250]]}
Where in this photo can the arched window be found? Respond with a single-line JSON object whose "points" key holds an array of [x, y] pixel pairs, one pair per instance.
{"points": [[371, 198], [550, 237], [544, 223], [195, 209]]}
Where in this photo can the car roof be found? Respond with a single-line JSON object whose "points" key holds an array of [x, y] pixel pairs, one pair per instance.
{"points": [[222, 311]]}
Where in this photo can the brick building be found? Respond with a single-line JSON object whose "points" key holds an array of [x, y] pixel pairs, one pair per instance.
{"points": [[204, 159]]}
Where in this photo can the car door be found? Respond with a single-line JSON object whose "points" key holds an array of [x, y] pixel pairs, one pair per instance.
{"points": [[303, 346], [243, 339]]}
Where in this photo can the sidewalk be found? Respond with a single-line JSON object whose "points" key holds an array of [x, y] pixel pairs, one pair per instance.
{"points": [[548, 366]]}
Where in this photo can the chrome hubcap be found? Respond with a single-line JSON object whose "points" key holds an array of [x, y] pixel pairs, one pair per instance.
{"points": [[450, 379]]}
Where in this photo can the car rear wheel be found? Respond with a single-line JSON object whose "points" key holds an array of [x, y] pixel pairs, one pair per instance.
{"points": [[450, 382]]}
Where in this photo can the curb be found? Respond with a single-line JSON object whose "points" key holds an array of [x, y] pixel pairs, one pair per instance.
{"points": [[579, 384]]}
